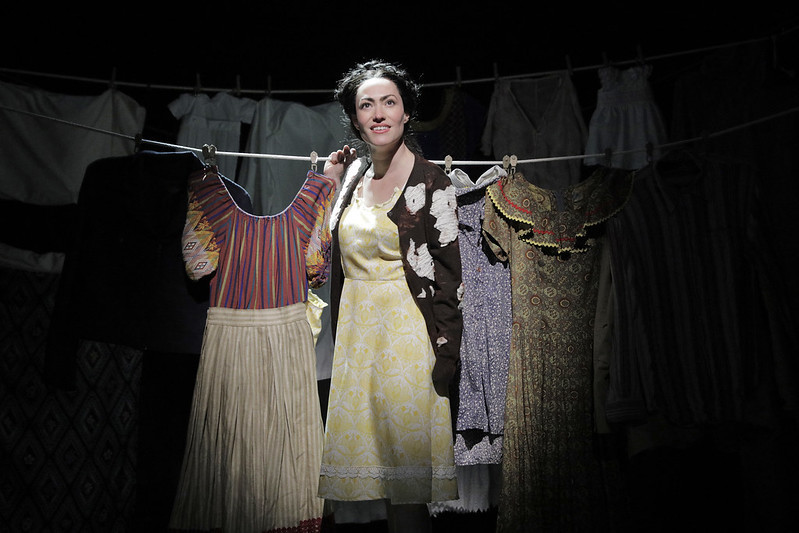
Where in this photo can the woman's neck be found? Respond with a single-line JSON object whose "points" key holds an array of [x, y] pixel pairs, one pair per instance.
{"points": [[387, 160]]}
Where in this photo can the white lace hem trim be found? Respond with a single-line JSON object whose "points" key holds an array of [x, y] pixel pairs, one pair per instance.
{"points": [[389, 472]]}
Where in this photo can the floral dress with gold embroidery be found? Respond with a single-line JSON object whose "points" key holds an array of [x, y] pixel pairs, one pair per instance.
{"points": [[551, 240]]}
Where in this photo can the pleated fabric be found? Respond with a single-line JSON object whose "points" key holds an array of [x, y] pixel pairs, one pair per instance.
{"points": [[252, 457]]}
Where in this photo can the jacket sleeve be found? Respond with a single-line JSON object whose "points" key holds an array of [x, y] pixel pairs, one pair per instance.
{"points": [[443, 245]]}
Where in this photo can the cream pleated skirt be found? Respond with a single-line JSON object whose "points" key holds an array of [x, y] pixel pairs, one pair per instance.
{"points": [[255, 434]]}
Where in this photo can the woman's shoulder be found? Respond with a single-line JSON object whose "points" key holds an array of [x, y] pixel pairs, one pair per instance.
{"points": [[354, 172], [430, 172]]}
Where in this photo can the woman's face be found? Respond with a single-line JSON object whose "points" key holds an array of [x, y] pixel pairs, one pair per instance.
{"points": [[379, 113]]}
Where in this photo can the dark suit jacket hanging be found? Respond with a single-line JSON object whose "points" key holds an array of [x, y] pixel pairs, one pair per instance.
{"points": [[123, 280]]}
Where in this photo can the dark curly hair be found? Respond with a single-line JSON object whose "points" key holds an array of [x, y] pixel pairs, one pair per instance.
{"points": [[410, 92]]}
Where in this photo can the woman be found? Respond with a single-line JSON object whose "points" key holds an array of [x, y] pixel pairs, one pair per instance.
{"points": [[396, 286]]}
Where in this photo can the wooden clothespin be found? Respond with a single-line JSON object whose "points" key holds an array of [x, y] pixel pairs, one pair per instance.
{"points": [[513, 161], [448, 164], [197, 85], [505, 162], [314, 159], [237, 91]]}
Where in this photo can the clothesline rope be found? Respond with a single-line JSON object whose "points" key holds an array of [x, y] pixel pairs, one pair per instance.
{"points": [[312, 158], [113, 82], [662, 146]]}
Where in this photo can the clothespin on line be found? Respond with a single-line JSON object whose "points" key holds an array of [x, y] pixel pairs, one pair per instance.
{"points": [[448, 164], [209, 154], [509, 163], [314, 159]]}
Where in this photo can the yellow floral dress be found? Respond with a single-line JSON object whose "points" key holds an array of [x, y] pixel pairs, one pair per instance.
{"points": [[388, 433]]}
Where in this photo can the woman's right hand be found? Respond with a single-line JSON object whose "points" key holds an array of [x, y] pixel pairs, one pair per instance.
{"points": [[338, 162]]}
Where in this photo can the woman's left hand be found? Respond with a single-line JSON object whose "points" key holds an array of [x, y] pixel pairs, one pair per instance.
{"points": [[338, 162]]}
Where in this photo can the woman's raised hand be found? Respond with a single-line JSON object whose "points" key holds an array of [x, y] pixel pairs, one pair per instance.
{"points": [[338, 162]]}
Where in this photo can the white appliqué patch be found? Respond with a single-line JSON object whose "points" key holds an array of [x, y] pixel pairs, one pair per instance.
{"points": [[421, 261], [444, 209], [414, 198]]}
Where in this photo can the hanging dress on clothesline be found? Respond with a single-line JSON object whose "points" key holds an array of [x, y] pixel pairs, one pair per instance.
{"points": [[213, 120], [536, 118], [626, 118], [551, 479], [486, 331], [485, 345], [688, 351], [254, 442]]}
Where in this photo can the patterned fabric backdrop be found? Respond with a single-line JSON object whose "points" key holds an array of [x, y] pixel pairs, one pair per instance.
{"points": [[67, 458]]}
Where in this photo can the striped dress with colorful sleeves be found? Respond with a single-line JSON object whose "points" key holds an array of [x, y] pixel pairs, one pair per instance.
{"points": [[254, 440]]}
